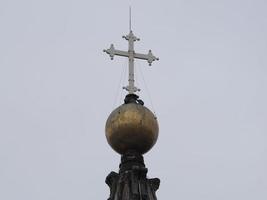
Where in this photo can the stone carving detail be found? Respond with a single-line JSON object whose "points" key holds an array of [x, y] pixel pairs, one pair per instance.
{"points": [[131, 182]]}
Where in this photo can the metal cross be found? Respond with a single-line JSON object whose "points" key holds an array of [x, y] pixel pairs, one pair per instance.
{"points": [[131, 55]]}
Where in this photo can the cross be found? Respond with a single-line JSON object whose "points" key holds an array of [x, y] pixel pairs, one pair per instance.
{"points": [[131, 54]]}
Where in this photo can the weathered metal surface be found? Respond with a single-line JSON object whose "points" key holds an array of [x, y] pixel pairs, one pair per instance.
{"points": [[132, 127]]}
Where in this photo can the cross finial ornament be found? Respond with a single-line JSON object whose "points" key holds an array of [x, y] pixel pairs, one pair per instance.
{"points": [[131, 54]]}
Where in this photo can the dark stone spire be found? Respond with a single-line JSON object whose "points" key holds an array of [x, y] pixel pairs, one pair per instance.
{"points": [[131, 183]]}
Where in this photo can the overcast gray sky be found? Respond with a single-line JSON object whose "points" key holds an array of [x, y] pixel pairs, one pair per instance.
{"points": [[209, 91]]}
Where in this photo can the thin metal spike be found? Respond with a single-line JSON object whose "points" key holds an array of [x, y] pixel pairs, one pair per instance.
{"points": [[130, 18]]}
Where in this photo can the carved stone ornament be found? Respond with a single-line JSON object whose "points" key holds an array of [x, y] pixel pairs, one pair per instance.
{"points": [[131, 183]]}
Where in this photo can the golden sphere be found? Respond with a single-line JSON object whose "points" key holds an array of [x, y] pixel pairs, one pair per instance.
{"points": [[132, 127]]}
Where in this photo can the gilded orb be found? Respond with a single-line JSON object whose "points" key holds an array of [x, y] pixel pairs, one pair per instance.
{"points": [[132, 127]]}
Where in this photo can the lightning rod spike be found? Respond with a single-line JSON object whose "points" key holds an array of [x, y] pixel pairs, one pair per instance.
{"points": [[130, 18]]}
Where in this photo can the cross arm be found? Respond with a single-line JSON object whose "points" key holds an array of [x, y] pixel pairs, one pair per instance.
{"points": [[112, 51], [149, 57]]}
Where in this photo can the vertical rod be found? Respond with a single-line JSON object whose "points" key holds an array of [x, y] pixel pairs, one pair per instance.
{"points": [[130, 18], [131, 63]]}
